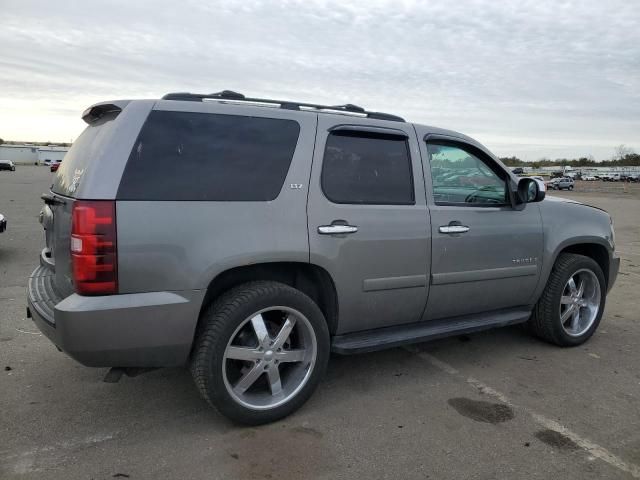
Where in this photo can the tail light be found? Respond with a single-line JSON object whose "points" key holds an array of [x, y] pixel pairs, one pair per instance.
{"points": [[94, 258]]}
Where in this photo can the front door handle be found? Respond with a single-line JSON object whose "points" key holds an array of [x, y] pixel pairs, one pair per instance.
{"points": [[453, 229], [336, 229]]}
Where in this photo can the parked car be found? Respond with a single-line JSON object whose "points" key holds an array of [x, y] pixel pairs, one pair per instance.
{"points": [[55, 165], [633, 177], [310, 229], [564, 183], [550, 183], [589, 178], [518, 171], [611, 177], [3, 223], [7, 165]]}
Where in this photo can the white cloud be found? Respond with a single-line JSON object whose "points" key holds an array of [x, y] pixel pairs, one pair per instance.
{"points": [[522, 77]]}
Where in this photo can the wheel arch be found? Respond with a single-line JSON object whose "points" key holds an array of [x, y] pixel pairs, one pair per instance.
{"points": [[311, 279], [596, 251]]}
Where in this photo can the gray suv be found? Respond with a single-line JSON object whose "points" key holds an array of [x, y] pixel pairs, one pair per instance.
{"points": [[564, 183], [248, 238]]}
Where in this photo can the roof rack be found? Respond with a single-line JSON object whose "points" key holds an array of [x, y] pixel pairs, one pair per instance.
{"points": [[228, 95]]}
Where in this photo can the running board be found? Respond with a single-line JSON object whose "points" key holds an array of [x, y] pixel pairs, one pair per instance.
{"points": [[389, 337]]}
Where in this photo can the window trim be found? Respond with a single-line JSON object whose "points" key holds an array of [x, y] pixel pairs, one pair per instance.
{"points": [[368, 129], [354, 130], [478, 153]]}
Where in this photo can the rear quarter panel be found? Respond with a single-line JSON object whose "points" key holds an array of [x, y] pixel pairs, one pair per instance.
{"points": [[110, 154], [103, 160], [183, 245]]}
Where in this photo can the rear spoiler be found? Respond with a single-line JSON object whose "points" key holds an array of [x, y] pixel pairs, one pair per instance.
{"points": [[97, 111]]}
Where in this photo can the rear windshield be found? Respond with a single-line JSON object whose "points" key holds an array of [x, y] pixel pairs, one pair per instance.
{"points": [[203, 156], [77, 160]]}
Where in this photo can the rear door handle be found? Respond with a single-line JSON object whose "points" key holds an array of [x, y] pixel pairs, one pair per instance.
{"points": [[453, 229], [336, 229]]}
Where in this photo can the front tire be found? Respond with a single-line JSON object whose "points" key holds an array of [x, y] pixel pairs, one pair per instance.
{"points": [[570, 308], [261, 351]]}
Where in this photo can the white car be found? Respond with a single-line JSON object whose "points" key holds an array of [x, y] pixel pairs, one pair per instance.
{"points": [[589, 178]]}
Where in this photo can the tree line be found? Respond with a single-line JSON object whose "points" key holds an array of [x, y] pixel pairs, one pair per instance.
{"points": [[623, 157]]}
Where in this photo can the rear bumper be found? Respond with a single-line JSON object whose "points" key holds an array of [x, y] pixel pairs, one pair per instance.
{"points": [[614, 267], [153, 329]]}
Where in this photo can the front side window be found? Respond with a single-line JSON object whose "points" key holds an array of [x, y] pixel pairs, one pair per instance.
{"points": [[461, 177], [367, 168]]}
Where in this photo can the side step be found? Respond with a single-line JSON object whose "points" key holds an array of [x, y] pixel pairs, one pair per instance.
{"points": [[389, 337]]}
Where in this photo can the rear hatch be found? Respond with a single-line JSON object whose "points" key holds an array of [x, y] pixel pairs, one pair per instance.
{"points": [[56, 215]]}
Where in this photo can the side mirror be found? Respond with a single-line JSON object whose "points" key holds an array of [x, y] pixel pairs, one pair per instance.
{"points": [[529, 191]]}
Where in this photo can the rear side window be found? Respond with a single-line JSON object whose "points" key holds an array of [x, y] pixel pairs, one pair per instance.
{"points": [[367, 168], [203, 156]]}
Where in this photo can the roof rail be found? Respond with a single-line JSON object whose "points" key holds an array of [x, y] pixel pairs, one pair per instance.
{"points": [[285, 104]]}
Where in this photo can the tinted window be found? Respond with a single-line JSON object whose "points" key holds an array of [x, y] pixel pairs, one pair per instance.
{"points": [[359, 167], [460, 176], [201, 156], [78, 159]]}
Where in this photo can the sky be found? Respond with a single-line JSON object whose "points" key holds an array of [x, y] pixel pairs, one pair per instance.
{"points": [[527, 78]]}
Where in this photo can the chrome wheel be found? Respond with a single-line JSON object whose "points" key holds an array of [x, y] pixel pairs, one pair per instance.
{"points": [[580, 302], [269, 358]]}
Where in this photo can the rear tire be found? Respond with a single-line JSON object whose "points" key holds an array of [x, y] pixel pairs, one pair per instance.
{"points": [[570, 308], [261, 351]]}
